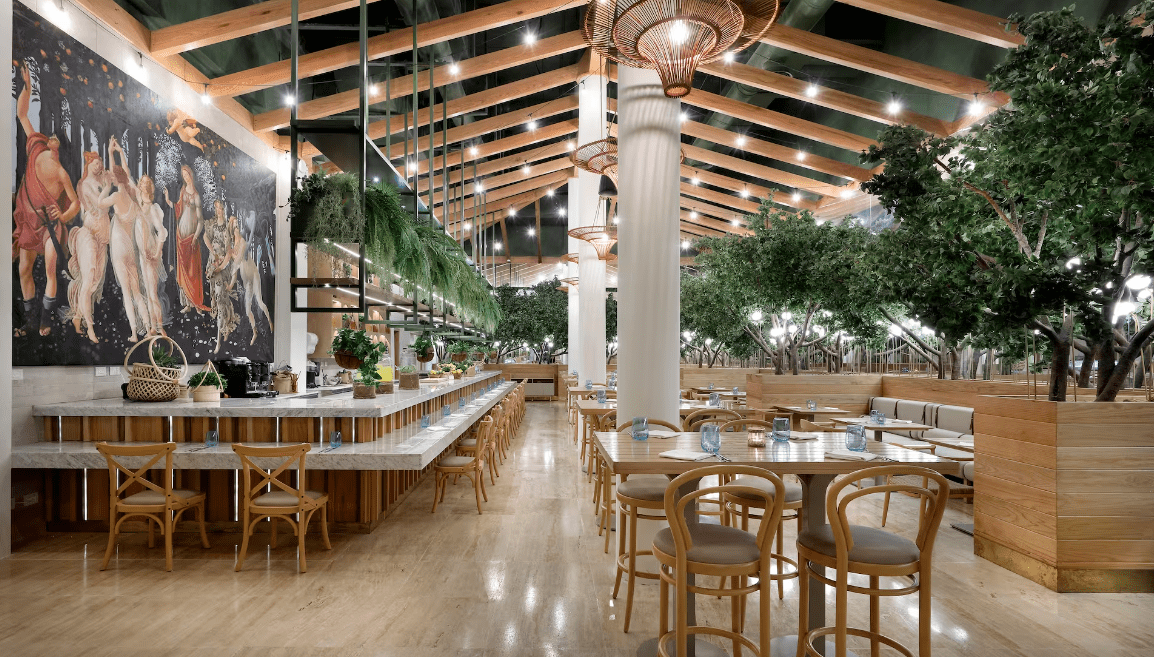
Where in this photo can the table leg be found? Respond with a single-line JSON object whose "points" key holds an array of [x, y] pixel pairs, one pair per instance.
{"points": [[878, 435]]}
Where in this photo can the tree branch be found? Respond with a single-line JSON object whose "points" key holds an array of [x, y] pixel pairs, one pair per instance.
{"points": [[923, 345]]}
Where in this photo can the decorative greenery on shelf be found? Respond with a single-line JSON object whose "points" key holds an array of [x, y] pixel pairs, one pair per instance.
{"points": [[460, 347], [423, 344], [324, 212], [448, 367], [163, 358], [406, 369], [363, 348], [206, 379]]}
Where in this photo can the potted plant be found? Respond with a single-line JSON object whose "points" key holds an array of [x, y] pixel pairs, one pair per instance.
{"points": [[459, 351], [365, 385], [478, 353], [469, 367], [423, 348], [348, 347], [206, 386], [408, 377]]}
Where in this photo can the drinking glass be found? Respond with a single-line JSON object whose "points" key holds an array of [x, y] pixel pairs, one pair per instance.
{"points": [[446, 411], [461, 404], [574, 372], [873, 416], [211, 439], [640, 428], [711, 386], [714, 399], [335, 439], [600, 396], [855, 437], [811, 404], [781, 429], [711, 438], [588, 384], [735, 391], [426, 420], [881, 418]]}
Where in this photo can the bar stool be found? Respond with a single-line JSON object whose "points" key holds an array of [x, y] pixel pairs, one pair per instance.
{"points": [[258, 504], [683, 549], [876, 553], [160, 504], [739, 504], [643, 492]]}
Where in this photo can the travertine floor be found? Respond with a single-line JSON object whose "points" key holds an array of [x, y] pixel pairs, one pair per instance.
{"points": [[527, 578]]}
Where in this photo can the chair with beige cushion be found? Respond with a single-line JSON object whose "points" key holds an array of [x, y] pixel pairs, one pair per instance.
{"points": [[645, 492], [685, 549], [468, 446], [282, 501], [874, 553], [471, 467], [160, 504]]}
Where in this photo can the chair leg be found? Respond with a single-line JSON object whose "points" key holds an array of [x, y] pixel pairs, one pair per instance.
{"points": [[478, 482], [436, 490], [875, 618], [736, 613], [272, 532], [632, 566], [663, 608], [802, 605], [886, 503], [325, 525], [168, 523], [302, 523], [841, 614], [924, 600], [681, 613], [151, 535], [620, 551], [203, 533], [247, 529], [780, 563], [113, 530], [765, 627]]}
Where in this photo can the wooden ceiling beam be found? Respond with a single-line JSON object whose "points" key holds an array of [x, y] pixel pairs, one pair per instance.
{"points": [[826, 97], [709, 216], [241, 22], [946, 18], [737, 164], [739, 205], [691, 226], [880, 63], [391, 43], [516, 203], [499, 198], [500, 164], [776, 151], [754, 191], [778, 121], [513, 177], [402, 87], [491, 124], [498, 146]]}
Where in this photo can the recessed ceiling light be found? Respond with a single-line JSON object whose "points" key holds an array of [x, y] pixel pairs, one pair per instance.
{"points": [[561, 211], [796, 197], [289, 100], [454, 68], [735, 222], [894, 107], [684, 244], [684, 117], [473, 151], [811, 91], [513, 213], [570, 146], [801, 156], [532, 231], [740, 141], [977, 108], [478, 187], [532, 125], [530, 38], [548, 192], [693, 215], [744, 193], [468, 225], [525, 169], [616, 220], [727, 57], [695, 180], [846, 193]]}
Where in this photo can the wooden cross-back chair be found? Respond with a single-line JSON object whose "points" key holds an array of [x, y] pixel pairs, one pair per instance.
{"points": [[283, 501], [694, 420], [471, 466], [160, 504]]}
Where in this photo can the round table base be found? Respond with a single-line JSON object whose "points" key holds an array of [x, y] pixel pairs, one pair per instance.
{"points": [[702, 648], [786, 646]]}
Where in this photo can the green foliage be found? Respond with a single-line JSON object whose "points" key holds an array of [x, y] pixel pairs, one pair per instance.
{"points": [[534, 316], [423, 343], [206, 379], [163, 358], [364, 348], [406, 369], [326, 207], [460, 347], [610, 318]]}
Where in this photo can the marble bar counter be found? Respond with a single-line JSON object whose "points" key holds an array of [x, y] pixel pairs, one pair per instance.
{"points": [[294, 405], [406, 448]]}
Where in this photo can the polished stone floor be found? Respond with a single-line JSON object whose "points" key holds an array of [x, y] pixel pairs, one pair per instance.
{"points": [[528, 577]]}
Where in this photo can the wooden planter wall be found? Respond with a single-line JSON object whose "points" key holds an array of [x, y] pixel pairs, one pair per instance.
{"points": [[535, 373]]}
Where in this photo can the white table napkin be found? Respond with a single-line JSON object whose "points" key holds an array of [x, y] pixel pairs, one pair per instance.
{"points": [[684, 455], [847, 455], [663, 433]]}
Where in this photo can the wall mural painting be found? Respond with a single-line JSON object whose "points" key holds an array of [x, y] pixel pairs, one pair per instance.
{"points": [[131, 219]]}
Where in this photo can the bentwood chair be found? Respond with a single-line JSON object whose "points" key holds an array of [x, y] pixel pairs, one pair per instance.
{"points": [[874, 553], [694, 420], [471, 467], [469, 446], [736, 504], [160, 504], [602, 503], [265, 495], [685, 549], [633, 495]]}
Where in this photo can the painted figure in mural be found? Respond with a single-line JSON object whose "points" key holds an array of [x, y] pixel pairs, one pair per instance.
{"points": [[189, 224], [39, 219], [150, 237], [122, 246], [88, 244], [218, 239], [184, 126], [249, 274]]}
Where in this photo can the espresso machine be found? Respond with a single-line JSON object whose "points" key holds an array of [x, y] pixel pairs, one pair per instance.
{"points": [[313, 374], [245, 379]]}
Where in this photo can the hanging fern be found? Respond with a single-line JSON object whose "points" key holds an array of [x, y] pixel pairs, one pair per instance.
{"points": [[327, 207]]}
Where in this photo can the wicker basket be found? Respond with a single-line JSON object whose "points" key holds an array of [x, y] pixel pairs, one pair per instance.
{"points": [[347, 360], [459, 357], [425, 356], [205, 392], [150, 383]]}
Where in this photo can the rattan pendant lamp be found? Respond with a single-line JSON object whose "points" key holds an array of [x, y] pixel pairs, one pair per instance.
{"points": [[675, 36], [600, 236]]}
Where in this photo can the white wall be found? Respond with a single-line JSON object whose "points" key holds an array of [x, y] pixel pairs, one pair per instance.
{"points": [[45, 385]]}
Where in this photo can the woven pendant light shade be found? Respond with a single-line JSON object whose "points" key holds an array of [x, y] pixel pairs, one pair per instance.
{"points": [[675, 36], [598, 157], [601, 238], [567, 283]]}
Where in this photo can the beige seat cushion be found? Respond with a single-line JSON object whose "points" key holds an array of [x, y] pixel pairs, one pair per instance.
{"points": [[713, 544], [468, 442], [905, 441], [968, 470], [153, 498], [887, 405], [953, 454], [870, 545], [283, 498], [644, 488], [955, 418], [792, 490], [455, 461]]}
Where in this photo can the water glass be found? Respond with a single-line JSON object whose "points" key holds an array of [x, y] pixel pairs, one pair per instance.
{"points": [[711, 386], [881, 418], [736, 392], [855, 437], [714, 399], [600, 396], [873, 416], [574, 372], [426, 420], [811, 404], [335, 439], [461, 404], [640, 428], [781, 429], [588, 384], [446, 411], [710, 438], [211, 439]]}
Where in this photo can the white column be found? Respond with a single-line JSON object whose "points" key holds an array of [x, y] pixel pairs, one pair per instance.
{"points": [[648, 271], [591, 270]]}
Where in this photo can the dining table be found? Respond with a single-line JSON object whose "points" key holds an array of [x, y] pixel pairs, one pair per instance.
{"points": [[891, 425], [807, 455], [798, 413]]}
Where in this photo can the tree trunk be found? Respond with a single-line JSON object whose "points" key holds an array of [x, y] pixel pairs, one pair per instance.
{"points": [[1086, 369], [1060, 355], [955, 364], [943, 357], [1110, 384], [1106, 365]]}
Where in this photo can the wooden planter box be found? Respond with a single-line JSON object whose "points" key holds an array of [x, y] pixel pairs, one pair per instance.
{"points": [[1064, 492]]}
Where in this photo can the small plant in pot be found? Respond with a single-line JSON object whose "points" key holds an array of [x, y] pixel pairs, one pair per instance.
{"points": [[350, 347], [423, 348], [408, 377], [459, 351], [205, 386], [365, 386]]}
